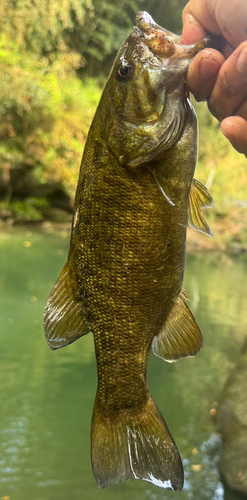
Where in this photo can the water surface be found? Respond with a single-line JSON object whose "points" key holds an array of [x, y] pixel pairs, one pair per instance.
{"points": [[47, 397]]}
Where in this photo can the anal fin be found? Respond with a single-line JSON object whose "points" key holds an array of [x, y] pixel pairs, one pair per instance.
{"points": [[199, 198], [180, 337], [63, 317]]}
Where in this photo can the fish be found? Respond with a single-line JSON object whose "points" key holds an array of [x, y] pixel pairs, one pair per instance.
{"points": [[123, 279]]}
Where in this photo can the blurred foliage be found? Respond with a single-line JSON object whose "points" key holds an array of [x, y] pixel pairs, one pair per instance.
{"points": [[27, 210], [92, 28], [39, 26], [45, 112], [167, 13], [220, 167]]}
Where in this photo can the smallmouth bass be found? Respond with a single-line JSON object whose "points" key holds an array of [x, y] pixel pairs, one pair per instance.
{"points": [[123, 278]]}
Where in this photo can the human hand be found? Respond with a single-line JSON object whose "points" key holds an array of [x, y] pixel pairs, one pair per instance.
{"points": [[221, 79]]}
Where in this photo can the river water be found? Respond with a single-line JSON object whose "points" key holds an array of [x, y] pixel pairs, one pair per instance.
{"points": [[47, 397]]}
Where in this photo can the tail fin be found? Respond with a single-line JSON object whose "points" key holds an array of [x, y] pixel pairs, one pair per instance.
{"points": [[127, 446]]}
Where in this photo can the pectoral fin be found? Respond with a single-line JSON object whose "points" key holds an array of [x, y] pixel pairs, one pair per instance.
{"points": [[180, 337], [63, 318], [199, 198]]}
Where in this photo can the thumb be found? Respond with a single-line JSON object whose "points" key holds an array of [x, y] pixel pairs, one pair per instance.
{"points": [[193, 30], [198, 16]]}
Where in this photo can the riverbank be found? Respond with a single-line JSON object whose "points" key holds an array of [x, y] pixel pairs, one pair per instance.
{"points": [[229, 232], [229, 229]]}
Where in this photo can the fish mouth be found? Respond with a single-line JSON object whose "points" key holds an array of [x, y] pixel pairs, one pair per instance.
{"points": [[167, 45], [161, 41]]}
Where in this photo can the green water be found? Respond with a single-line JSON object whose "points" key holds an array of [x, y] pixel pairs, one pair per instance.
{"points": [[46, 398]]}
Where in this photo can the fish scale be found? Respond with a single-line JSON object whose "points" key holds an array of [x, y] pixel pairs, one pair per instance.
{"points": [[123, 278]]}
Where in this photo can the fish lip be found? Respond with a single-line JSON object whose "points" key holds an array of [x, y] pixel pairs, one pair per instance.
{"points": [[146, 24], [161, 41], [165, 44]]}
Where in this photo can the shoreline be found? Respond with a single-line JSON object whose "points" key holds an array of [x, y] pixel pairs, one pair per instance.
{"points": [[223, 240]]}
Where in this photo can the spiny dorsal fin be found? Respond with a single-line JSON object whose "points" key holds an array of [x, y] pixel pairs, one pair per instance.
{"points": [[63, 318], [199, 198], [180, 337]]}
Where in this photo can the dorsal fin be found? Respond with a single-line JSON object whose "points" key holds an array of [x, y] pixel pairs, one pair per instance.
{"points": [[63, 317], [180, 337], [199, 198]]}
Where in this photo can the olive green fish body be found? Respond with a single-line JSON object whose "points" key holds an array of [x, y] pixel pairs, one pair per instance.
{"points": [[123, 279], [128, 250]]}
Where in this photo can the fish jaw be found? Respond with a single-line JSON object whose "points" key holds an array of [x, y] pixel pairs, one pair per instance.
{"points": [[161, 41], [167, 45]]}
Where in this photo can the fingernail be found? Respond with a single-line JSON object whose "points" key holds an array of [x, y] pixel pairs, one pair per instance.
{"points": [[242, 61], [208, 68]]}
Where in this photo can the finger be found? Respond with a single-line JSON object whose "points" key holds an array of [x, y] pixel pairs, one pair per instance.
{"points": [[218, 17], [230, 89], [203, 72], [193, 30], [231, 18], [197, 18], [226, 49], [242, 110], [235, 129]]}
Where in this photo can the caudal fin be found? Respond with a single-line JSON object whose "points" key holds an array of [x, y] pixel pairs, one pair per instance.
{"points": [[127, 446]]}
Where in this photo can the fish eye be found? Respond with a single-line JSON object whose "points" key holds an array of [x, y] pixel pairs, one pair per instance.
{"points": [[124, 71]]}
